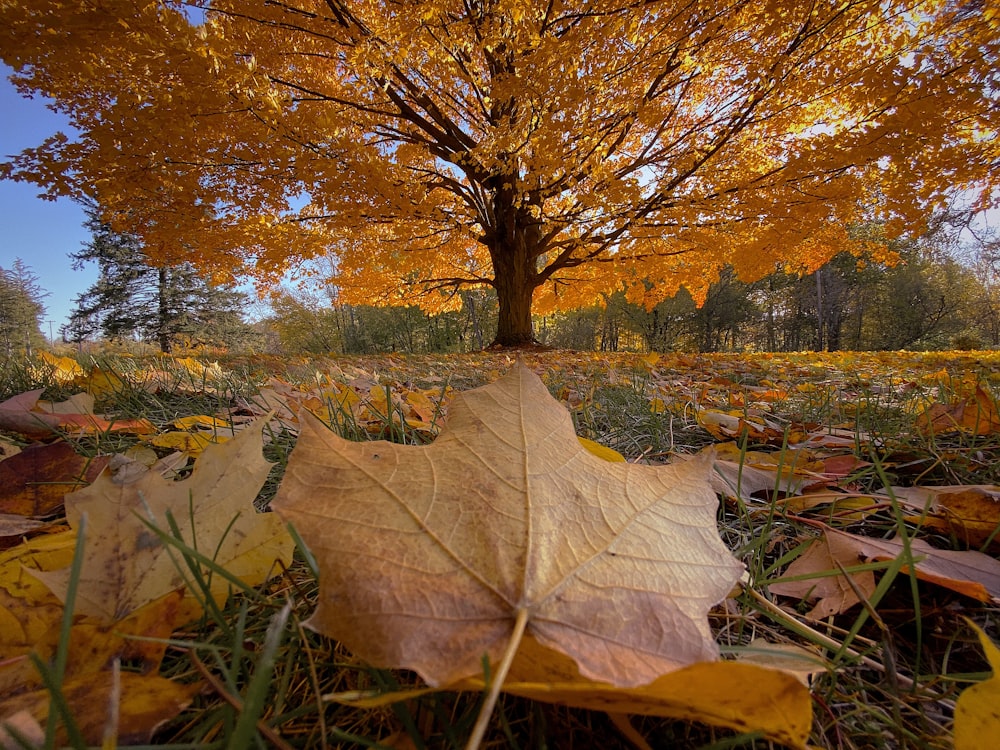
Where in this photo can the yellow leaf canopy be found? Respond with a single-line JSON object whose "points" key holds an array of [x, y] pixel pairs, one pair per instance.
{"points": [[555, 151]]}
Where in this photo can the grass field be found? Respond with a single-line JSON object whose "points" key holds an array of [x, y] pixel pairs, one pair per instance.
{"points": [[804, 443]]}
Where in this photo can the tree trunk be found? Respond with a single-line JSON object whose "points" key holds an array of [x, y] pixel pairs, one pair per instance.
{"points": [[511, 245], [514, 296]]}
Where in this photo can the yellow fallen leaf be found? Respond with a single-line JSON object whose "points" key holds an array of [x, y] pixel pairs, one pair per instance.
{"points": [[64, 369], [27, 608], [602, 451], [735, 695], [977, 710], [970, 512], [142, 702], [192, 443], [139, 639], [422, 405], [201, 370], [203, 421], [99, 383], [125, 563]]}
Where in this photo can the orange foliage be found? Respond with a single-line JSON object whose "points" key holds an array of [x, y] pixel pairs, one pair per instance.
{"points": [[542, 148]]}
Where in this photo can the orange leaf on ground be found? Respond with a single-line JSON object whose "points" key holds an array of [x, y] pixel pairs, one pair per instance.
{"points": [[970, 512], [967, 572], [977, 415], [428, 554]]}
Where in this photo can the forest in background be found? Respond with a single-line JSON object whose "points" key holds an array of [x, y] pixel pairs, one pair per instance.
{"points": [[942, 293]]}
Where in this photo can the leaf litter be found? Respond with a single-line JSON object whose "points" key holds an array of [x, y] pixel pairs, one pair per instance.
{"points": [[818, 446]]}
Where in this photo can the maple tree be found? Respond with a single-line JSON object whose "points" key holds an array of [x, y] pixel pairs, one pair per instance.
{"points": [[554, 151]]}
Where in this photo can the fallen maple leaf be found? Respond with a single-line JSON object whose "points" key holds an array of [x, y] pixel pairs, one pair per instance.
{"points": [[428, 555], [977, 722], [977, 414], [968, 572], [813, 581], [141, 703], [755, 476], [24, 414], [28, 610], [970, 512], [62, 369], [125, 563]]}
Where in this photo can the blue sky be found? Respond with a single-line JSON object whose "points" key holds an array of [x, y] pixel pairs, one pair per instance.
{"points": [[41, 233]]}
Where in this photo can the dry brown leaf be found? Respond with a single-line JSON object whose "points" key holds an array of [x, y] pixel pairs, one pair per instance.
{"points": [[125, 563], [756, 476], [15, 528], [428, 554], [833, 592], [977, 415], [967, 572], [8, 449]]}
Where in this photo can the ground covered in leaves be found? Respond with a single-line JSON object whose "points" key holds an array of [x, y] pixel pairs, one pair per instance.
{"points": [[860, 491]]}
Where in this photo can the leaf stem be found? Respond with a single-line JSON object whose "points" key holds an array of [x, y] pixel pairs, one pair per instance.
{"points": [[483, 720]]}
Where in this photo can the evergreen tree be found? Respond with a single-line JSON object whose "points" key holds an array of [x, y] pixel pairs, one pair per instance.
{"points": [[165, 304], [21, 308]]}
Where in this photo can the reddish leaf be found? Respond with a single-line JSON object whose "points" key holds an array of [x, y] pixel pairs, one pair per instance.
{"points": [[22, 414], [34, 481]]}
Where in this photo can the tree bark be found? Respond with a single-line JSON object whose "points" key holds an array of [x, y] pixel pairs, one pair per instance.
{"points": [[512, 238], [513, 280]]}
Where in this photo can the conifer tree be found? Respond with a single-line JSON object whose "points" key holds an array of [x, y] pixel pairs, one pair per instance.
{"points": [[21, 308], [132, 297]]}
